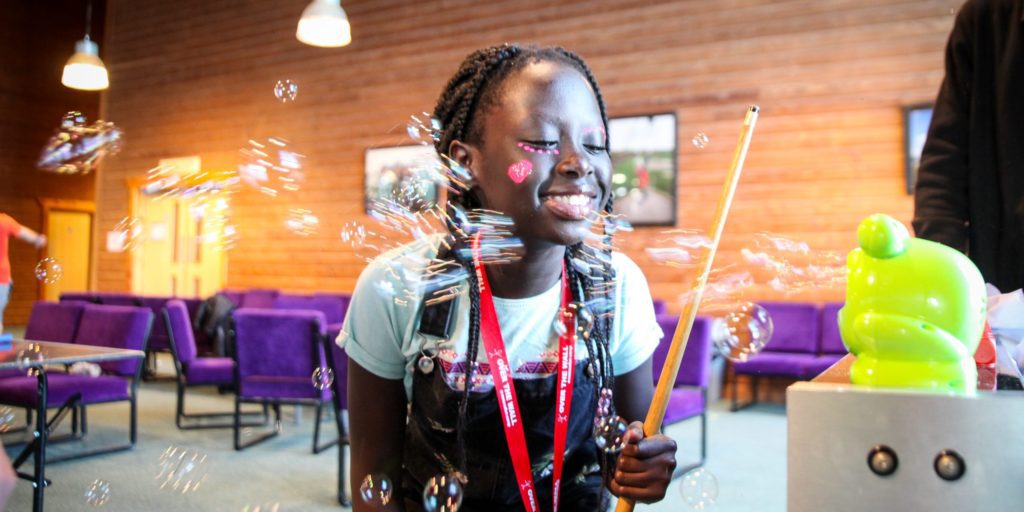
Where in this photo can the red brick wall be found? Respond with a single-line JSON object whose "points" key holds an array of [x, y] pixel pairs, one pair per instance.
{"points": [[196, 77]]}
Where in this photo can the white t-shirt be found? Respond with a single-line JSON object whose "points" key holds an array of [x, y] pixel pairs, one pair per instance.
{"points": [[380, 332]]}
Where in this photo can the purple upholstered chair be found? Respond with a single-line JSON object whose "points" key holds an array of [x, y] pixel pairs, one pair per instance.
{"points": [[276, 352], [192, 370], [333, 309], [337, 359], [259, 298], [689, 395], [108, 326], [830, 348], [54, 321], [234, 295], [117, 299], [794, 342], [204, 344], [79, 296], [660, 307]]}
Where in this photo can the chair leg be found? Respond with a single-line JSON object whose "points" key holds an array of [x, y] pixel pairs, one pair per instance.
{"points": [[317, 447], [83, 427], [238, 423], [134, 432], [342, 450]]}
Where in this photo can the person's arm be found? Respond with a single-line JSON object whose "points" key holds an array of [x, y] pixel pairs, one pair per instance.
{"points": [[8, 478], [377, 416], [941, 209], [644, 468], [31, 237]]}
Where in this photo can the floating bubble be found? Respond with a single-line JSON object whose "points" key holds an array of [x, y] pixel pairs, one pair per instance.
{"points": [[78, 147], [286, 90], [263, 507], [30, 356], [168, 181], [271, 166], [302, 222], [604, 406], [425, 365], [376, 490], [443, 493], [699, 489], [700, 141], [353, 234], [323, 377], [49, 270], [742, 333], [610, 433], [98, 494], [7, 417], [130, 233], [425, 130], [181, 469]]}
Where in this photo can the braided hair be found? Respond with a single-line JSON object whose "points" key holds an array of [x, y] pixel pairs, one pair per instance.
{"points": [[475, 87]]}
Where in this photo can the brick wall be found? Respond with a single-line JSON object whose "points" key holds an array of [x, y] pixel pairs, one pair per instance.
{"points": [[38, 38], [196, 77]]}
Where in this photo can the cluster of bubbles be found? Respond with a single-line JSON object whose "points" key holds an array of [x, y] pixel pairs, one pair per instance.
{"points": [[181, 469], [77, 147], [701, 140], [98, 493], [425, 130], [286, 90], [130, 232], [49, 270], [322, 378], [271, 166], [789, 266], [302, 222], [442, 493], [167, 181], [699, 489]]}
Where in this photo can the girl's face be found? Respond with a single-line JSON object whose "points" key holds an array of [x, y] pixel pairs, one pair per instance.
{"points": [[543, 160]]}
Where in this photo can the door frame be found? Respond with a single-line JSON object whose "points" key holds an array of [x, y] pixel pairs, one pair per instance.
{"points": [[49, 204]]}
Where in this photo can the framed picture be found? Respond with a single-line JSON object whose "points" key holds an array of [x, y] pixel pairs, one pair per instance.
{"points": [[407, 174], [643, 151], [916, 120]]}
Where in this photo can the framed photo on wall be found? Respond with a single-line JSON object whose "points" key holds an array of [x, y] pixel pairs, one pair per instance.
{"points": [[916, 120], [643, 152], [407, 174]]}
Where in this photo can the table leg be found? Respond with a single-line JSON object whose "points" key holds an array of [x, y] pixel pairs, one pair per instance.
{"points": [[39, 484]]}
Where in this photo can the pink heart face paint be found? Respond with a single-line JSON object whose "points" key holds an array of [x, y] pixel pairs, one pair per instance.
{"points": [[518, 171]]}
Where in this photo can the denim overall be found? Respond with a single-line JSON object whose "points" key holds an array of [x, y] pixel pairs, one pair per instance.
{"points": [[431, 447]]}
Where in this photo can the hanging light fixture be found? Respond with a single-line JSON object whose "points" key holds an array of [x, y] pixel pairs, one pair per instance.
{"points": [[324, 24], [84, 70]]}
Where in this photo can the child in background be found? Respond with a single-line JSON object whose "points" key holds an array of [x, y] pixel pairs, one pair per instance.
{"points": [[528, 127], [9, 227]]}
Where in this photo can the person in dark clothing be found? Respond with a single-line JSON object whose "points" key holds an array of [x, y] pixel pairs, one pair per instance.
{"points": [[970, 188]]}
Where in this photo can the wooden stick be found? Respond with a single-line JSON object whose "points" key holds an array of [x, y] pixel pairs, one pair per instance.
{"points": [[656, 413]]}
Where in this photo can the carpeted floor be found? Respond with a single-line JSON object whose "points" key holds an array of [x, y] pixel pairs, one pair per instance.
{"points": [[746, 453]]}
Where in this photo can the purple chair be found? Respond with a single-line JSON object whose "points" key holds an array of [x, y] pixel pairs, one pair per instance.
{"points": [[258, 298], [794, 342], [689, 396], [204, 345], [333, 309], [117, 299], [337, 360], [107, 326], [660, 307], [54, 321], [191, 370], [276, 353], [79, 296], [831, 348]]}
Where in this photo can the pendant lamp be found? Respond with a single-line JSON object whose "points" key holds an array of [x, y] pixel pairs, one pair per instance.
{"points": [[324, 24], [84, 70]]}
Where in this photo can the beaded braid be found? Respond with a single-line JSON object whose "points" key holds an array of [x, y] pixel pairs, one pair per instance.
{"points": [[473, 88]]}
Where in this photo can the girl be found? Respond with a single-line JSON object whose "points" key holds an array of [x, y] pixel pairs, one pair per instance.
{"points": [[431, 389]]}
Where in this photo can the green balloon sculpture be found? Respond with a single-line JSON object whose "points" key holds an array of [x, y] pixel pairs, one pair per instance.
{"points": [[914, 312]]}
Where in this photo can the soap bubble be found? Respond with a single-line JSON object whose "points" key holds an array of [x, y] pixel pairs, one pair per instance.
{"points": [[302, 222], [168, 181], [77, 147], [263, 507], [181, 469], [323, 377], [425, 130], [29, 356], [286, 90], [425, 364], [742, 333], [6, 418], [700, 141], [699, 488], [610, 433], [376, 490], [98, 494], [130, 231], [49, 270], [353, 234], [443, 493], [271, 166]]}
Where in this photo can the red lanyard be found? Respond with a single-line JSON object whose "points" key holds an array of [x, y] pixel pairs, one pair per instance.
{"points": [[494, 344]]}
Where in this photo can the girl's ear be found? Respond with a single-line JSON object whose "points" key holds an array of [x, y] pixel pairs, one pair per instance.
{"points": [[467, 156]]}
